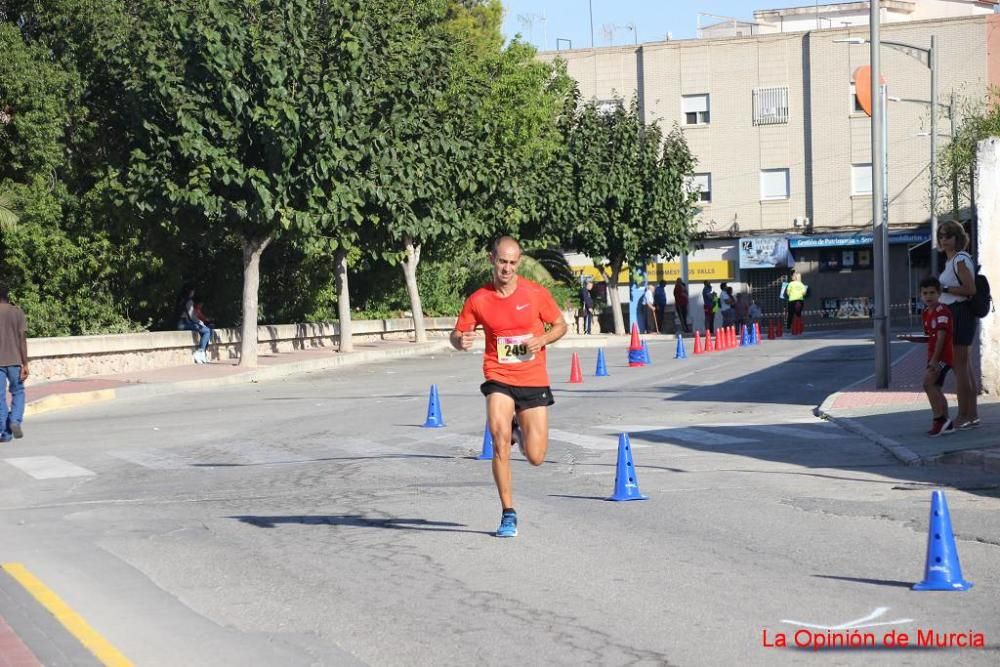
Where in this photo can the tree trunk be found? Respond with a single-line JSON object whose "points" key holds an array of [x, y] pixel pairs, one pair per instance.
{"points": [[343, 299], [252, 250], [614, 299], [410, 271]]}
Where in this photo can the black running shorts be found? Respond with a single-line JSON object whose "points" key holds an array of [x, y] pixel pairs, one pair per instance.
{"points": [[524, 397]]}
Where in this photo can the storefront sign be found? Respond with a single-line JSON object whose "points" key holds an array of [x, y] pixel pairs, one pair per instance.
{"points": [[697, 271], [764, 252], [852, 240], [668, 271]]}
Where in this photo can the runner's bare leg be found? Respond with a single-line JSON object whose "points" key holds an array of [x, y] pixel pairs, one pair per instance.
{"points": [[500, 414], [535, 429]]}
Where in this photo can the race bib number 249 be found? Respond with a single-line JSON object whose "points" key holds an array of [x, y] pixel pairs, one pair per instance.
{"points": [[513, 349]]}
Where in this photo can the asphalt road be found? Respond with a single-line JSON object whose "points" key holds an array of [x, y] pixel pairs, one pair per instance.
{"points": [[313, 521]]}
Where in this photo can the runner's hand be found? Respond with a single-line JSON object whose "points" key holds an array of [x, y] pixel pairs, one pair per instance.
{"points": [[535, 344], [468, 337]]}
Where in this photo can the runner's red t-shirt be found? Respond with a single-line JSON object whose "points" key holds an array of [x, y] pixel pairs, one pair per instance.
{"points": [[939, 322], [509, 322]]}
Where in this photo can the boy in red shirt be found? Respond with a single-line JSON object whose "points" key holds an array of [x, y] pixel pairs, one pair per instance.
{"points": [[514, 312], [938, 325]]}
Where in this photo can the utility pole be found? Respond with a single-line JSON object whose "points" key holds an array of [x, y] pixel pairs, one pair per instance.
{"points": [[591, 23], [932, 63], [880, 236]]}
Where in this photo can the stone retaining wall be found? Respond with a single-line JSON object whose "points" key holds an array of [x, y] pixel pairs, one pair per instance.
{"points": [[78, 356]]}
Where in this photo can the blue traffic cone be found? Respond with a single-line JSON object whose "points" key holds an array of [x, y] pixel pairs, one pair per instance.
{"points": [[626, 483], [942, 571], [681, 353], [754, 340], [487, 453], [434, 418], [645, 354], [602, 365]]}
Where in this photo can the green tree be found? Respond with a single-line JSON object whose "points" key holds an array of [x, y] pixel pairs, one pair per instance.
{"points": [[625, 194], [59, 263], [231, 92], [980, 119], [426, 161]]}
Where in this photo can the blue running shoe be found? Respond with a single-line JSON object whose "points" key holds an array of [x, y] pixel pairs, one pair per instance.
{"points": [[508, 525]]}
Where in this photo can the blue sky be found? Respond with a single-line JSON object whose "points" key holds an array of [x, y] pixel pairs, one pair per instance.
{"points": [[570, 19]]}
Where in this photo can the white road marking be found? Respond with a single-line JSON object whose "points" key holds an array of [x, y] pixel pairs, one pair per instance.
{"points": [[154, 459], [683, 433], [48, 467], [588, 441], [255, 453], [792, 432], [856, 624]]}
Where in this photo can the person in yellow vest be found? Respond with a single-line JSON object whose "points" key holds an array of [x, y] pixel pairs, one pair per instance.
{"points": [[796, 294]]}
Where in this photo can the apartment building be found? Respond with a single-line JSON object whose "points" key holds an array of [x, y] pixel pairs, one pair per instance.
{"points": [[784, 150], [817, 16]]}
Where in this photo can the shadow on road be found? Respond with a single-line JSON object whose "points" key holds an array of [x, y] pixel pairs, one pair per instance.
{"points": [[358, 521]]}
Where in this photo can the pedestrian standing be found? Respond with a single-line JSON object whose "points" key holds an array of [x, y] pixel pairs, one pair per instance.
{"points": [[514, 312], [681, 303], [648, 302], [938, 327], [795, 292], [587, 305], [727, 304], [708, 302], [660, 298], [13, 366], [958, 286]]}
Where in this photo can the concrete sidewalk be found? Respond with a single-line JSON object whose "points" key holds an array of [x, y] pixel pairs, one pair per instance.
{"points": [[191, 377], [898, 418]]}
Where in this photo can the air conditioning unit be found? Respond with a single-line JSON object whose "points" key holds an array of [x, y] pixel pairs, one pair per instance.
{"points": [[802, 222]]}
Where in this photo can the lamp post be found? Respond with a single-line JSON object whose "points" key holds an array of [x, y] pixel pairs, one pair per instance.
{"points": [[880, 232]]}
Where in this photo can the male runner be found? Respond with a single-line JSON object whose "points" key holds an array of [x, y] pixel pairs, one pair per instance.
{"points": [[514, 312]]}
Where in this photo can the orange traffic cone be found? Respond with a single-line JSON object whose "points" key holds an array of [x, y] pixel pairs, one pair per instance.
{"points": [[779, 328], [770, 329], [635, 355], [575, 374], [709, 343], [698, 349]]}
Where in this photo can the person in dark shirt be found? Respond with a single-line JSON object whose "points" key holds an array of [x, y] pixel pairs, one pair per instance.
{"points": [[587, 305], [13, 366], [681, 304]]}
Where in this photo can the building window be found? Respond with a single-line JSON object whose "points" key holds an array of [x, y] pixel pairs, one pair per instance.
{"points": [[770, 106], [702, 183], [774, 184], [855, 104], [861, 179], [695, 109]]}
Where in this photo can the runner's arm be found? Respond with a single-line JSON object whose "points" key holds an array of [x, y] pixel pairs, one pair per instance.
{"points": [[557, 331]]}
